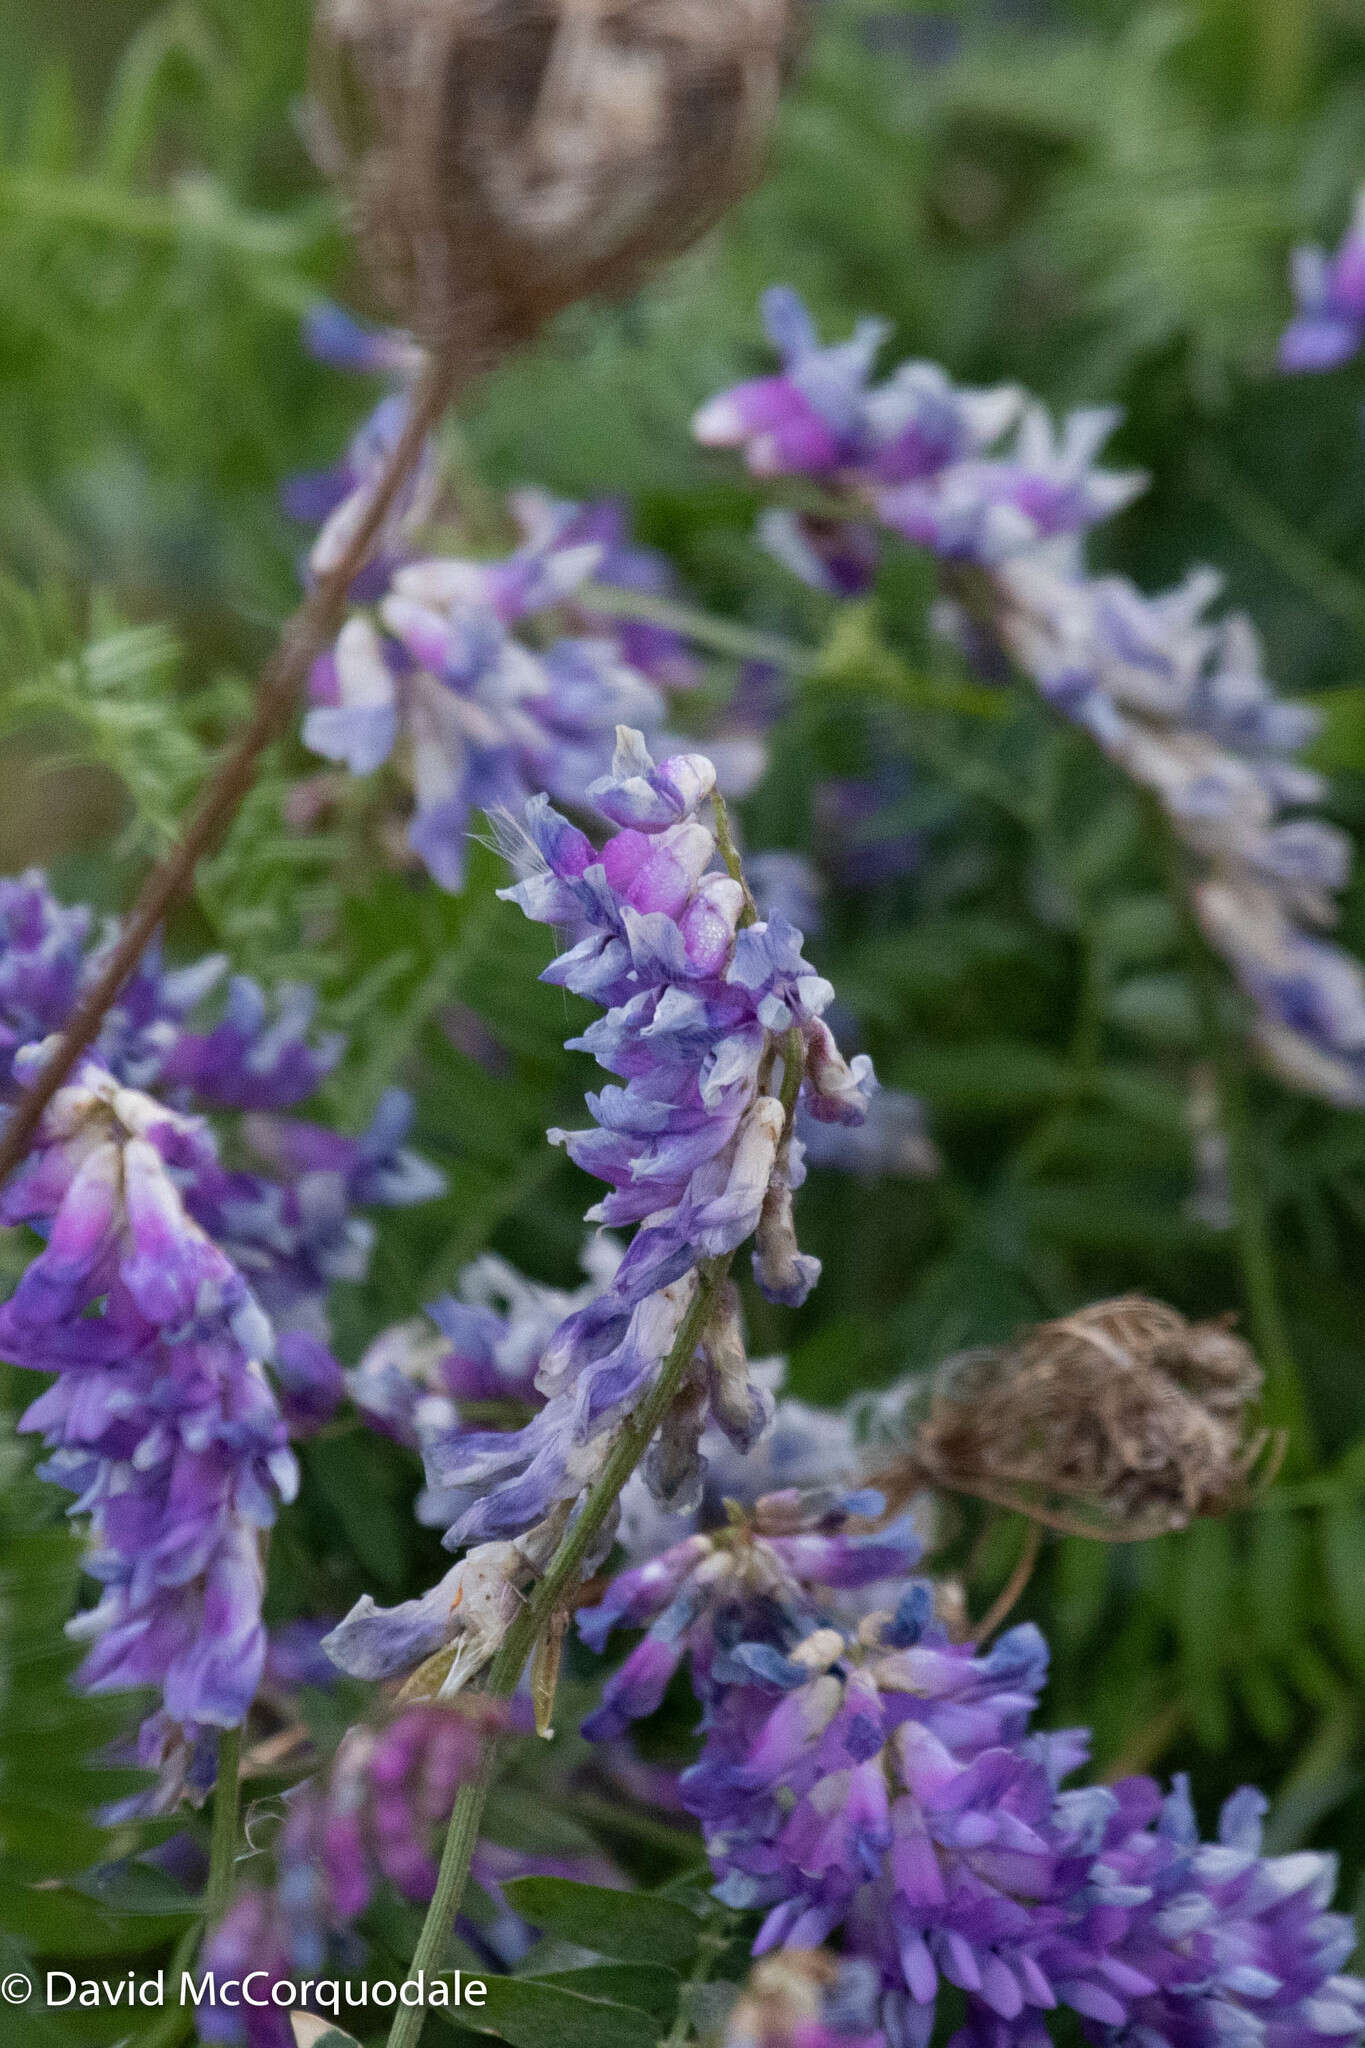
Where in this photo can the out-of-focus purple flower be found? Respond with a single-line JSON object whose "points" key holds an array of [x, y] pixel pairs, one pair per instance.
{"points": [[374, 1817], [160, 1419], [294, 1656], [810, 419], [311, 1383], [483, 1353], [1176, 700], [618, 562], [787, 885], [893, 1142], [862, 839], [292, 1227], [1181, 704], [336, 500], [486, 720], [251, 1058], [838, 556], [1046, 487], [1329, 293]]}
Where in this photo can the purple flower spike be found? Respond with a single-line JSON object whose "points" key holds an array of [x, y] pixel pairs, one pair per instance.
{"points": [[160, 1418], [156, 1297]]}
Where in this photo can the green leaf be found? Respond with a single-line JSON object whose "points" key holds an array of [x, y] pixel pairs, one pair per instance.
{"points": [[647, 1986], [627, 1925], [530, 2014]]}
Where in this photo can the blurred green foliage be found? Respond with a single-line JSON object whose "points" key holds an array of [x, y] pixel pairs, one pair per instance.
{"points": [[1094, 198]]}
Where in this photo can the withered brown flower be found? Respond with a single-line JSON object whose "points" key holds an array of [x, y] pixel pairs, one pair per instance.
{"points": [[506, 157], [1123, 1420]]}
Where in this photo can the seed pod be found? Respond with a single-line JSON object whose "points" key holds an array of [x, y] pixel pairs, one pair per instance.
{"points": [[1123, 1420], [506, 157]]}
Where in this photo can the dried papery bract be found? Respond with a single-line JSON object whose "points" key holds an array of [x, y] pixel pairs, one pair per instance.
{"points": [[507, 157], [1123, 1420]]}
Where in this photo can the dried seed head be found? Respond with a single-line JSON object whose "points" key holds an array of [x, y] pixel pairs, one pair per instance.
{"points": [[1123, 1420], [506, 157]]}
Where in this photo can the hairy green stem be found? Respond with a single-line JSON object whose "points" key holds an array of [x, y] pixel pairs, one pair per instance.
{"points": [[1284, 1404], [223, 1843], [548, 1595]]}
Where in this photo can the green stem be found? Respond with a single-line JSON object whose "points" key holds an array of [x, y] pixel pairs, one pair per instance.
{"points": [[223, 1846], [1284, 1403], [743, 643], [521, 1638]]}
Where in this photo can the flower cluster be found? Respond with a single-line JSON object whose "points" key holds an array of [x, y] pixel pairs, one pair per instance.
{"points": [[488, 680], [166, 1284], [1329, 293], [881, 1786], [750, 1583], [1176, 699], [713, 1023], [161, 1420], [372, 1816]]}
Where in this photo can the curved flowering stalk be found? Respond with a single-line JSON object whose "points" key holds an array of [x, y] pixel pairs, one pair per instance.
{"points": [[712, 1027], [1329, 292], [165, 1286]]}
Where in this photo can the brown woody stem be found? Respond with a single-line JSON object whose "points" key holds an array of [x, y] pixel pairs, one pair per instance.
{"points": [[301, 641]]}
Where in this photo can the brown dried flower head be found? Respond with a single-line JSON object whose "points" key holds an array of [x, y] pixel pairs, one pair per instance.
{"points": [[506, 157], [1123, 1420]]}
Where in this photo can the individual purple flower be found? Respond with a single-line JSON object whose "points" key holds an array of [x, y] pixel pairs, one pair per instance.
{"points": [[373, 1817], [160, 1418], [1329, 293], [811, 418], [1045, 488]]}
